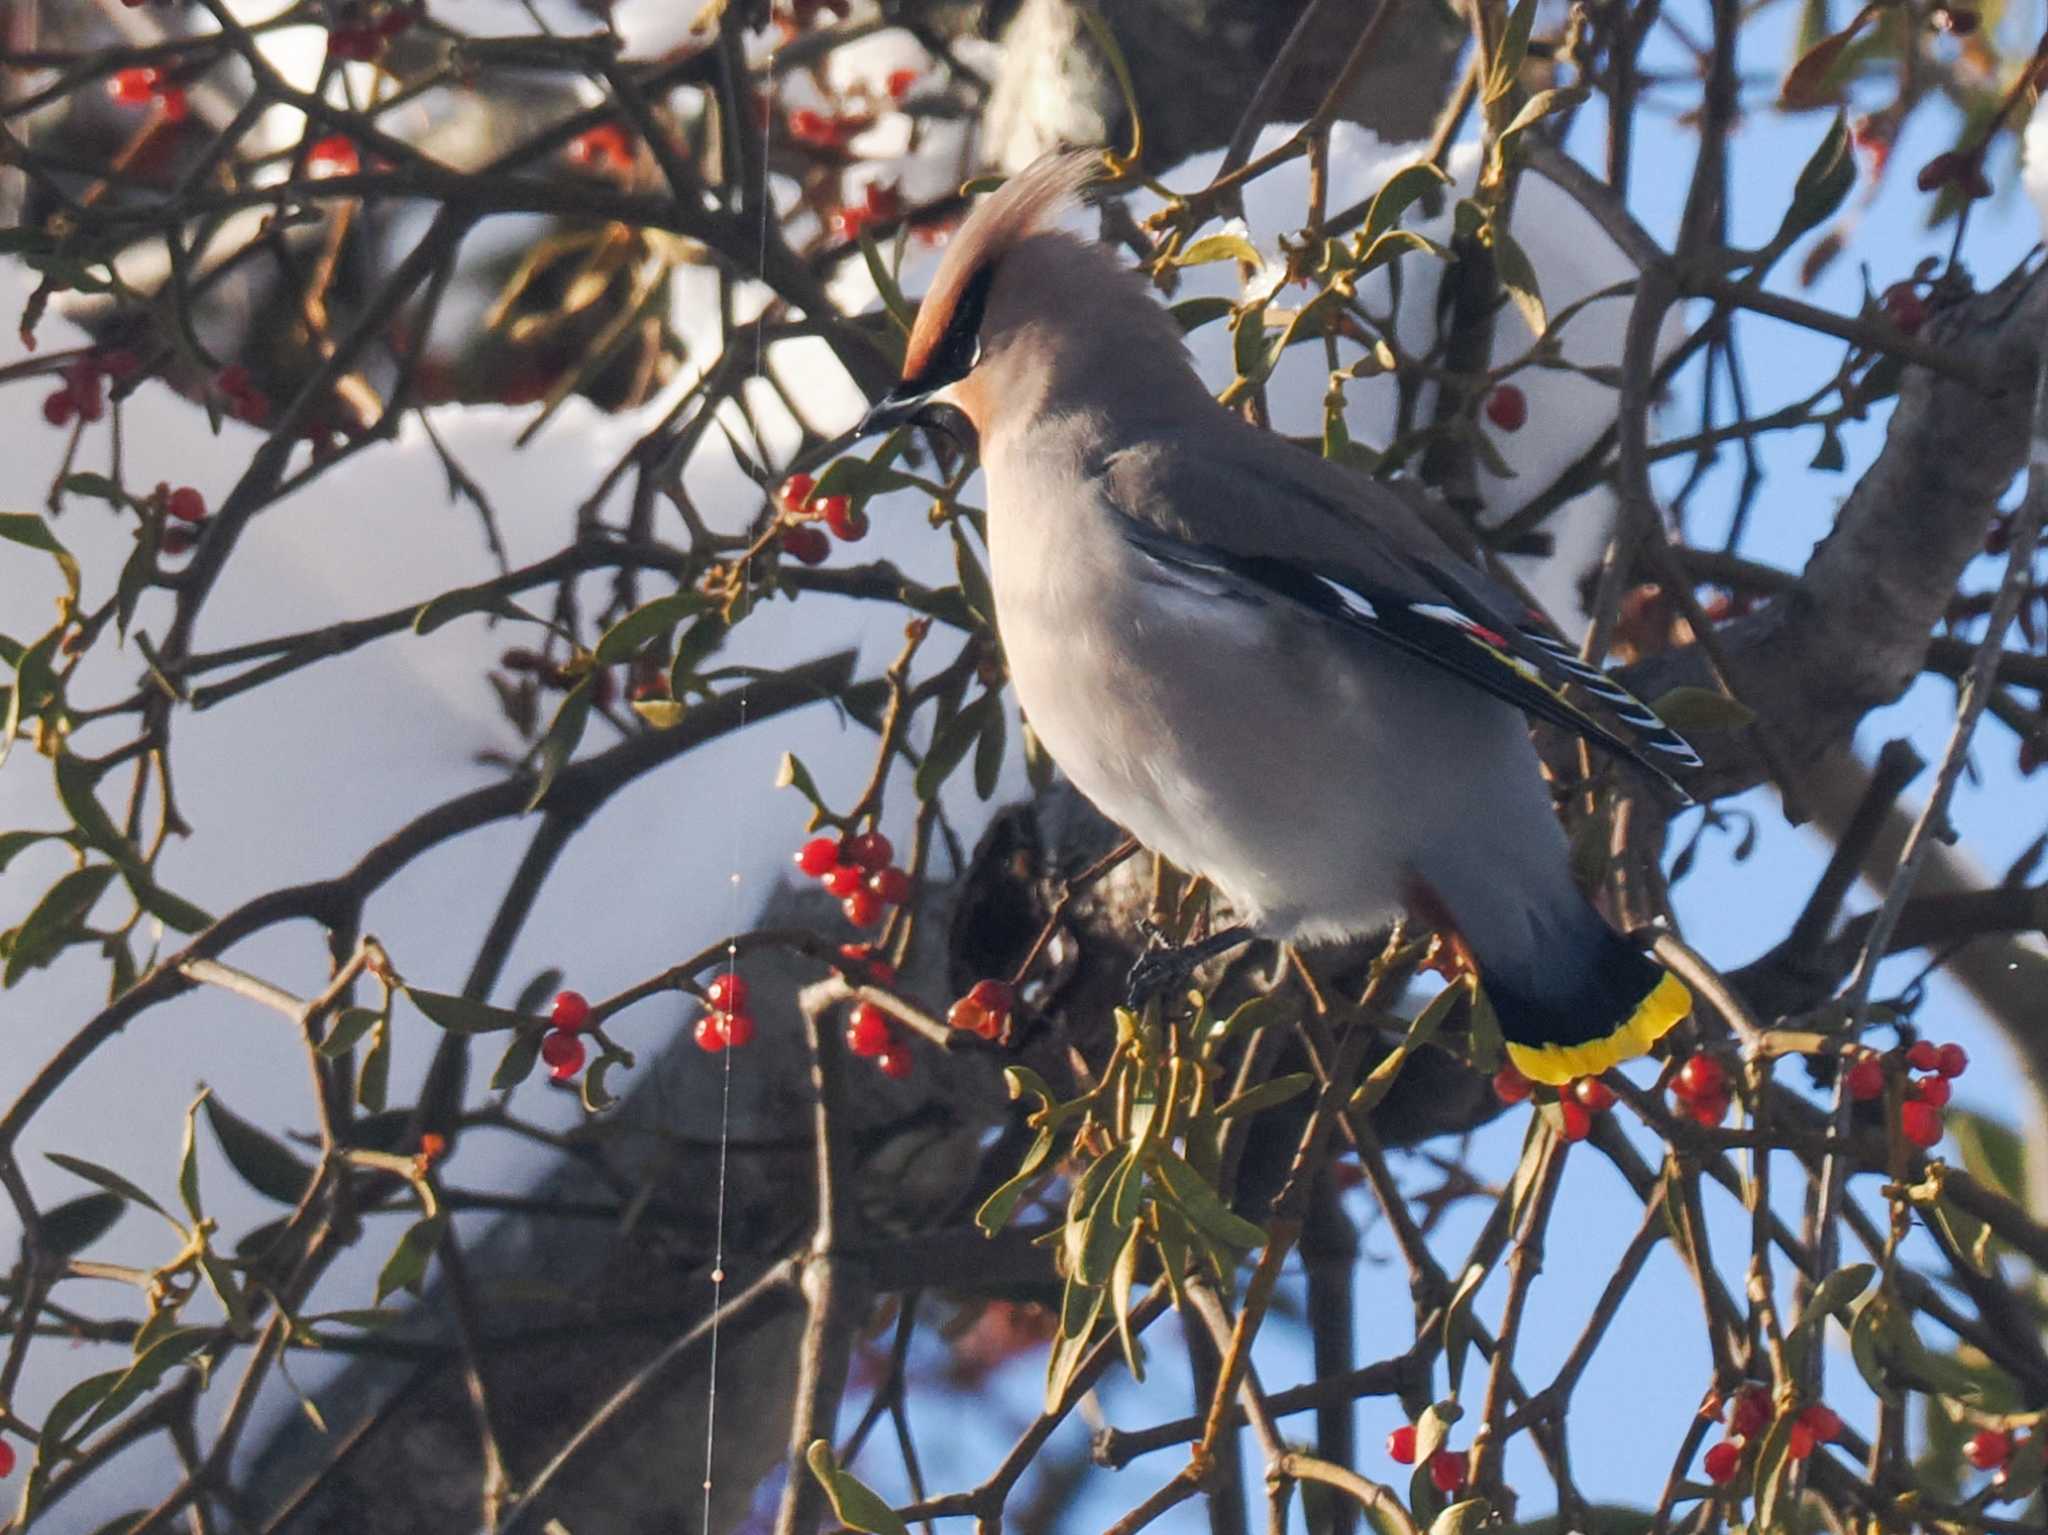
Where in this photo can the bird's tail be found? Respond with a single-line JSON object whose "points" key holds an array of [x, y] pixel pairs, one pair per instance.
{"points": [[1581, 1002]]}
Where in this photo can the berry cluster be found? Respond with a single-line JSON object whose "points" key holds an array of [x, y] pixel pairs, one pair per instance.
{"points": [[83, 392], [1989, 1449], [1508, 408], [858, 871], [802, 509], [1926, 1096], [879, 204], [334, 155], [607, 147], [137, 86], [1749, 1414], [728, 1025], [1446, 1467], [1702, 1090], [985, 1010], [562, 1047], [361, 32], [1579, 1102], [832, 131], [871, 1035], [245, 402]]}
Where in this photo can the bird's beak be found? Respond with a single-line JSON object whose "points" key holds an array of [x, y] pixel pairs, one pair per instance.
{"points": [[898, 407]]}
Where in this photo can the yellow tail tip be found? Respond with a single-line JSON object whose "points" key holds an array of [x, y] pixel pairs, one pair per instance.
{"points": [[1653, 1018]]}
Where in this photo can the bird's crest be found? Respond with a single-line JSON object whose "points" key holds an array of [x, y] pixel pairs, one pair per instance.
{"points": [[1029, 202]]}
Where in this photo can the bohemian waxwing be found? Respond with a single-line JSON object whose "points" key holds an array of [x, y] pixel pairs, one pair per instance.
{"points": [[1266, 667]]}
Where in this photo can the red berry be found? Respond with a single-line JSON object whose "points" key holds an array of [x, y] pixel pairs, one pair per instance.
{"points": [[891, 884], [862, 957], [1920, 1123], [1932, 1090], [59, 407], [1799, 1440], [868, 1031], [710, 1033], [871, 850], [899, 82], [1924, 1056], [1508, 408], [433, 1147], [796, 491], [863, 908], [570, 1013], [738, 1028], [1709, 1112], [1953, 1060], [186, 504], [1401, 1445], [806, 544], [847, 522], [1905, 308], [132, 87], [968, 1016], [727, 993], [882, 201], [1987, 1450], [1510, 1086], [993, 996], [606, 144], [847, 223], [1595, 1094], [895, 1063], [1750, 1413], [1866, 1079], [811, 127], [563, 1053], [334, 155], [1700, 1077], [843, 880], [819, 856], [1447, 1471], [1721, 1461], [172, 103], [6, 1458], [1578, 1124], [1823, 1422]]}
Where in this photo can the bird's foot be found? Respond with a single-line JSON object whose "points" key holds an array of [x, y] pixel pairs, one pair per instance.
{"points": [[1163, 965]]}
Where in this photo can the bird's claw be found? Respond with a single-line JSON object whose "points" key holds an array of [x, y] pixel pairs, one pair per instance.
{"points": [[1165, 965]]}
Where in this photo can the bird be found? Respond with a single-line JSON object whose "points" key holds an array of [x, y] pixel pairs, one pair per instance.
{"points": [[1267, 667]]}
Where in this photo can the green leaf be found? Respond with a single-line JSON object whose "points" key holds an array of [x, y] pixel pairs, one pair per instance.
{"points": [[1395, 197], [517, 1063], [1248, 342], [36, 685], [1121, 1281], [1465, 1517], [56, 920], [96, 487], [1824, 181], [647, 621], [188, 1160], [1864, 1349], [75, 787], [74, 1404], [1258, 1099], [1830, 457], [1505, 67], [899, 307], [137, 572], [1396, 243], [262, 1161], [1201, 1204], [559, 744], [1694, 709], [1191, 314], [13, 842], [988, 750], [28, 529], [699, 643], [169, 1351], [974, 583], [77, 1223], [107, 1179], [1992, 1153], [791, 773], [1420, 1032], [350, 1025], [373, 1077], [597, 1093], [854, 1504], [951, 744], [1228, 246], [1518, 275], [996, 1210], [407, 1265], [469, 599], [461, 1015], [1458, 1323], [1542, 105]]}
